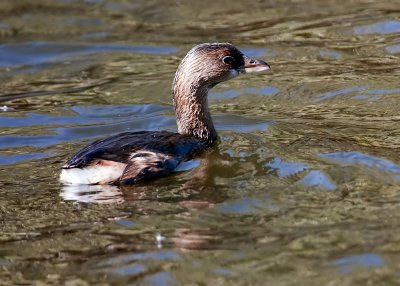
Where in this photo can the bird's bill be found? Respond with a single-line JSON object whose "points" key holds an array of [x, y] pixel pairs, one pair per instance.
{"points": [[253, 66]]}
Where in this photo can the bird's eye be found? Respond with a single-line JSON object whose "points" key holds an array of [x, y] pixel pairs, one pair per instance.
{"points": [[228, 60]]}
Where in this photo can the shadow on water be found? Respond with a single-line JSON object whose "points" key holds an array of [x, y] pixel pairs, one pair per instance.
{"points": [[303, 187]]}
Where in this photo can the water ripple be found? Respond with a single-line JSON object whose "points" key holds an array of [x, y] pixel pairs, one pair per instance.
{"points": [[384, 27], [228, 94], [37, 53], [239, 123], [358, 158], [12, 159], [318, 179], [367, 260], [285, 168], [84, 115], [331, 94], [393, 49], [248, 206]]}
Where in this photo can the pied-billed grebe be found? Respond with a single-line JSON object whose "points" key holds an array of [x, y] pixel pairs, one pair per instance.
{"points": [[133, 156]]}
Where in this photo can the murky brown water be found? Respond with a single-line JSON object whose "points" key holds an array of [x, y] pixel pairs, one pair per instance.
{"points": [[304, 188]]}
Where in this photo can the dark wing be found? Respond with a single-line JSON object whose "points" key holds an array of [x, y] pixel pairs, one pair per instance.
{"points": [[126, 146], [147, 165]]}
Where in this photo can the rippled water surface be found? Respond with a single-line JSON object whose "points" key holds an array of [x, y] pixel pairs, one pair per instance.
{"points": [[303, 189]]}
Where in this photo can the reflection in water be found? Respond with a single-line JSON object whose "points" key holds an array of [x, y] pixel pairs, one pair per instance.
{"points": [[332, 54], [85, 115], [239, 123], [248, 206], [318, 179], [285, 168], [385, 27], [102, 194], [12, 159], [367, 260], [188, 165], [383, 91], [358, 158], [314, 178], [161, 278], [366, 97], [191, 239], [39, 53], [269, 90], [140, 256], [331, 94], [126, 267], [393, 49]]}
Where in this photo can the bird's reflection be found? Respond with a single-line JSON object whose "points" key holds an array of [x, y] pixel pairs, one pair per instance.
{"points": [[102, 194], [198, 185], [195, 239]]}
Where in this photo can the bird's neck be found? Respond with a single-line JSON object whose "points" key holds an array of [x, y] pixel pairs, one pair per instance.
{"points": [[191, 109]]}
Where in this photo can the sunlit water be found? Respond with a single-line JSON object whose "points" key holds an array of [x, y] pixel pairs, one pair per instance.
{"points": [[303, 188]]}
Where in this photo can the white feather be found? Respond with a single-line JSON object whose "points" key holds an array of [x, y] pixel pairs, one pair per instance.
{"points": [[90, 175]]}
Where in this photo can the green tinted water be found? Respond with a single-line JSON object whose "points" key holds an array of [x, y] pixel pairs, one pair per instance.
{"points": [[302, 190]]}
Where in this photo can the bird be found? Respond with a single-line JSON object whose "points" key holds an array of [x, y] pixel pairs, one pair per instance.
{"points": [[131, 157]]}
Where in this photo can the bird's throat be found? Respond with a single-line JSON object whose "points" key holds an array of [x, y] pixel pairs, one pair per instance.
{"points": [[192, 114]]}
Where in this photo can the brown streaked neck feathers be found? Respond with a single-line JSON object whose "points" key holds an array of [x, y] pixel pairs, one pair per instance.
{"points": [[190, 88], [192, 114], [198, 72]]}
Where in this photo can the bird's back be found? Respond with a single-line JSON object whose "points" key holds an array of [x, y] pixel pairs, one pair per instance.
{"points": [[130, 157]]}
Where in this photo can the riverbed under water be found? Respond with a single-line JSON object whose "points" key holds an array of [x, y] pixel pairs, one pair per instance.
{"points": [[303, 189]]}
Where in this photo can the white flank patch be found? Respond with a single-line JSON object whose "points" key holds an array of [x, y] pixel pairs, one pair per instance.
{"points": [[90, 175]]}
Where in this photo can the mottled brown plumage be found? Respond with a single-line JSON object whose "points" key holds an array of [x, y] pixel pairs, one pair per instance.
{"points": [[133, 156]]}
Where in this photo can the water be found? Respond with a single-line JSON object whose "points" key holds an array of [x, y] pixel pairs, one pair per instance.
{"points": [[302, 190]]}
